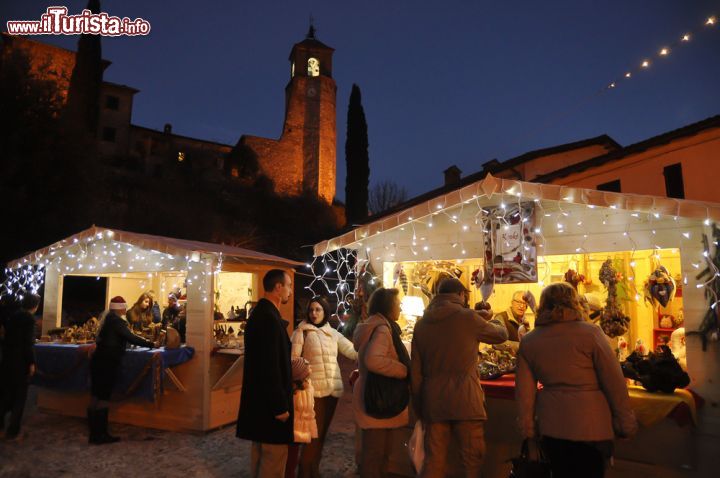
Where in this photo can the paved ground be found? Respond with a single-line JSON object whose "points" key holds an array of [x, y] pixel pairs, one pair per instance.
{"points": [[56, 446]]}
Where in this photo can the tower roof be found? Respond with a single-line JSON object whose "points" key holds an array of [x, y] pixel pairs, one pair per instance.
{"points": [[310, 42]]}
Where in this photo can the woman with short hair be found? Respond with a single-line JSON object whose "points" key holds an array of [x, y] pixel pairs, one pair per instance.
{"points": [[583, 402], [380, 351]]}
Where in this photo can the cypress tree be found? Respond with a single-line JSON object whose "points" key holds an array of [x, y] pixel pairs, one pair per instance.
{"points": [[357, 160]]}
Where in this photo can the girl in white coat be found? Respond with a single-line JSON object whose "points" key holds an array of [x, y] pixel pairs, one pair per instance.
{"points": [[317, 342]]}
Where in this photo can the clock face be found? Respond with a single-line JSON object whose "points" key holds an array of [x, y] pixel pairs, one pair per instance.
{"points": [[313, 67], [311, 92]]}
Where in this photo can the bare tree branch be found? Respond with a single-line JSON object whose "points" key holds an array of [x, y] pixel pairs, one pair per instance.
{"points": [[384, 195]]}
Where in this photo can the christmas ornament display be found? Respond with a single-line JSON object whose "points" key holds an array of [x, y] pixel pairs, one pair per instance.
{"points": [[573, 278], [612, 320], [660, 287]]}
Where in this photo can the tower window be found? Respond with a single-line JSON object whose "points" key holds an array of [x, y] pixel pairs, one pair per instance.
{"points": [[112, 102], [313, 67], [292, 70], [181, 156], [674, 187], [611, 186]]}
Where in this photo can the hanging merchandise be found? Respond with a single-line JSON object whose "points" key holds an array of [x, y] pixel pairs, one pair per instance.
{"points": [[573, 278], [510, 245], [612, 321], [660, 287], [402, 277], [477, 277]]}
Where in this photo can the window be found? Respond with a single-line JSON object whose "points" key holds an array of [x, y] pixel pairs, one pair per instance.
{"points": [[612, 186], [234, 172], [313, 67], [112, 102], [674, 187], [108, 134], [181, 156], [292, 70]]}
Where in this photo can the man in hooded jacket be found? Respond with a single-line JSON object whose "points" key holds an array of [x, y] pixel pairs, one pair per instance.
{"points": [[445, 381]]}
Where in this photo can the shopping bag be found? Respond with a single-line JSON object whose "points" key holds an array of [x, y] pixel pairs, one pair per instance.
{"points": [[416, 446], [525, 467]]}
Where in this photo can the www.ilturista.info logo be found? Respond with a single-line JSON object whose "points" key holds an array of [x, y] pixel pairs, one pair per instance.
{"points": [[56, 21]]}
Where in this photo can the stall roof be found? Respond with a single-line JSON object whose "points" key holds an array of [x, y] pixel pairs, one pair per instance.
{"points": [[167, 245], [492, 189]]}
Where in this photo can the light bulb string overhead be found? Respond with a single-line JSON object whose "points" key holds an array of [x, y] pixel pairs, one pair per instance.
{"points": [[662, 52]]}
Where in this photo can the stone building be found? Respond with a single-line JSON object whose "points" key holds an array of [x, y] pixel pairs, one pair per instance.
{"points": [[301, 161]]}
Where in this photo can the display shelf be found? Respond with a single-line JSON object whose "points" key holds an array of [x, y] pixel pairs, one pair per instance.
{"points": [[661, 336]]}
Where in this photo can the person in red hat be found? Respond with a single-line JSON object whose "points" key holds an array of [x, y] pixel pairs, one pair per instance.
{"points": [[112, 339]]}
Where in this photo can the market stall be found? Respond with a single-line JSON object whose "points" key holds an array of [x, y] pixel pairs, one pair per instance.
{"points": [[638, 257], [192, 387]]}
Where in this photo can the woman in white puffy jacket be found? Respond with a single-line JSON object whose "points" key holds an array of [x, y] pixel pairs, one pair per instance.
{"points": [[319, 343]]}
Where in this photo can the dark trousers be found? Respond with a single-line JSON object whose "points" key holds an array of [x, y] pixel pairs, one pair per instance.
{"points": [[470, 440], [312, 452], [572, 459], [376, 446], [14, 402]]}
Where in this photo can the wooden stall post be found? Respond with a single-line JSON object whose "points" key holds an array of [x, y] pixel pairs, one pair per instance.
{"points": [[200, 299], [52, 302]]}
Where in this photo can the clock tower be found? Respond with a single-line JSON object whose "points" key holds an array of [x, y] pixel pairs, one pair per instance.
{"points": [[303, 159]]}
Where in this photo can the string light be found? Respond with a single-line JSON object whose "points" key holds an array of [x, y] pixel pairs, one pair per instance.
{"points": [[662, 52]]}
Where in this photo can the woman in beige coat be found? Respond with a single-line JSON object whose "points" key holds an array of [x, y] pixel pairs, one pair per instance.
{"points": [[373, 339], [583, 402]]}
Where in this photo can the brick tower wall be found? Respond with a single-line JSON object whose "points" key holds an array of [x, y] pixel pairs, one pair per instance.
{"points": [[303, 159]]}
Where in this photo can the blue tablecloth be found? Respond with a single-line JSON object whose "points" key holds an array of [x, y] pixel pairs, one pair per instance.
{"points": [[66, 367]]}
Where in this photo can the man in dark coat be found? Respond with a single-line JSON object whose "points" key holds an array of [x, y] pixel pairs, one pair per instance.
{"points": [[18, 363], [112, 339], [171, 311], [266, 404]]}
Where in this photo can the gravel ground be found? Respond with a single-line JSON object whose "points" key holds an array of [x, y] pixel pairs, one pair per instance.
{"points": [[56, 446]]}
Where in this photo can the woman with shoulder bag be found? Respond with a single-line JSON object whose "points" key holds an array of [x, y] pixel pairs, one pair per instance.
{"points": [[584, 400], [382, 358], [317, 342]]}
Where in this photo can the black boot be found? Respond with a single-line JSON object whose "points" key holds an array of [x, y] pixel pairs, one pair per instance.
{"points": [[92, 425], [98, 419]]}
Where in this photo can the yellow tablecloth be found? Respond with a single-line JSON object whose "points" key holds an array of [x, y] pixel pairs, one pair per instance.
{"points": [[650, 408]]}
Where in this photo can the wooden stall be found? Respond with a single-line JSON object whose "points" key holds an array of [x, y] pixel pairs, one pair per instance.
{"points": [[522, 236], [202, 393]]}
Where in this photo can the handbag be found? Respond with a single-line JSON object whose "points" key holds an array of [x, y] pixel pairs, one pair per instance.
{"points": [[386, 397], [524, 467]]}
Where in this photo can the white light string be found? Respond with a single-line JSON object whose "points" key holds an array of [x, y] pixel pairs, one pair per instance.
{"points": [[573, 222], [661, 53], [101, 255]]}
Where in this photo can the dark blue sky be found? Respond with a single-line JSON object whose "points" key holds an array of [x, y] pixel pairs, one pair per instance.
{"points": [[452, 82]]}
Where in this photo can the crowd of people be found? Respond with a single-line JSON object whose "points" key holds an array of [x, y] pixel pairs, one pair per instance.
{"points": [[291, 385]]}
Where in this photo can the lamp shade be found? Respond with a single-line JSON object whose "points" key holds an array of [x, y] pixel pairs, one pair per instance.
{"points": [[411, 305]]}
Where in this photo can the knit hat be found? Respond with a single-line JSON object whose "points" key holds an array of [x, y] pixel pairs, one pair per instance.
{"points": [[451, 285], [300, 368], [117, 303]]}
